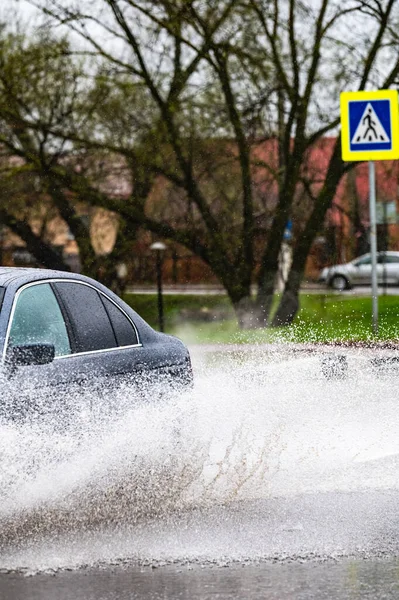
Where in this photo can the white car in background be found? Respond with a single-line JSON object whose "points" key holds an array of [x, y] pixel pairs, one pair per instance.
{"points": [[358, 271]]}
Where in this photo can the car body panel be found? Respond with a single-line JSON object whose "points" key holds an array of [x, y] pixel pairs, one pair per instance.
{"points": [[152, 354]]}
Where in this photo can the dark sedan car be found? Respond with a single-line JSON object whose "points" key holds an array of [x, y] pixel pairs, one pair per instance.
{"points": [[59, 328]]}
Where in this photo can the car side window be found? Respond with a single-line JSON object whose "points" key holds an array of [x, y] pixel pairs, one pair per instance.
{"points": [[38, 319], [391, 259], [364, 261], [124, 331], [90, 323]]}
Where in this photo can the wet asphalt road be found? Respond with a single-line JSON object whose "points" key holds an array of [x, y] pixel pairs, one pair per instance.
{"points": [[344, 580], [330, 546]]}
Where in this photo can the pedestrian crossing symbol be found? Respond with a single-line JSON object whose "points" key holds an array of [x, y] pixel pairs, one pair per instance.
{"points": [[370, 125], [370, 130]]}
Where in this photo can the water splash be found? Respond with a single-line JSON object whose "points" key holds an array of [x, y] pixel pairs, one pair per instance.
{"points": [[179, 477]]}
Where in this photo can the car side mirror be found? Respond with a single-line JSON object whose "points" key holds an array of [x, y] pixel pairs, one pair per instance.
{"points": [[30, 354]]}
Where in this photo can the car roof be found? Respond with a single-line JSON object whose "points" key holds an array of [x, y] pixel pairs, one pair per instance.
{"points": [[22, 275], [15, 277], [385, 252]]}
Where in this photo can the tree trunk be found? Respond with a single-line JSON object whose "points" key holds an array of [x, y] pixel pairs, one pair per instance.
{"points": [[246, 312], [268, 272], [289, 303], [239, 293], [77, 227], [265, 297]]}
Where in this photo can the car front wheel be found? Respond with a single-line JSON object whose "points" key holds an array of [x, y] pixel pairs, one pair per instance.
{"points": [[339, 283]]}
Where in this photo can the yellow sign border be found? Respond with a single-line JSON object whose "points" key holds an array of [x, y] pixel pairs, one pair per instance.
{"points": [[350, 155]]}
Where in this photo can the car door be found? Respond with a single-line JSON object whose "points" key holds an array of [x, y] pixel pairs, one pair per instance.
{"points": [[390, 268], [362, 271], [36, 318], [105, 340]]}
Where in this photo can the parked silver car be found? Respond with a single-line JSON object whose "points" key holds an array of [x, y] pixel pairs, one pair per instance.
{"points": [[358, 271]]}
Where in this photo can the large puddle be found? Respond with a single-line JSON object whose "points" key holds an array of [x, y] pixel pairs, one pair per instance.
{"points": [[264, 459]]}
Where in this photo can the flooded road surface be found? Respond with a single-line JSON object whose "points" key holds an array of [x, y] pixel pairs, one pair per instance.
{"points": [[265, 481], [346, 580]]}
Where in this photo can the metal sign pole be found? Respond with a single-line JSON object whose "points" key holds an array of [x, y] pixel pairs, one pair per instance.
{"points": [[370, 131], [373, 246], [384, 266]]}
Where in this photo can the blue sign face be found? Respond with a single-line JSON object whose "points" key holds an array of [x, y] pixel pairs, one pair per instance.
{"points": [[369, 125]]}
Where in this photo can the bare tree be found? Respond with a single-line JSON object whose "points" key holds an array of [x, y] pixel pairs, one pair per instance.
{"points": [[38, 91], [343, 48], [235, 71]]}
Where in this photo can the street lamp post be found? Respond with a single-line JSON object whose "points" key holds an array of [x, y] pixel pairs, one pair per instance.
{"points": [[159, 248]]}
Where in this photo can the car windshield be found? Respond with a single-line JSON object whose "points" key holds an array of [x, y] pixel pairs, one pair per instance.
{"points": [[364, 260]]}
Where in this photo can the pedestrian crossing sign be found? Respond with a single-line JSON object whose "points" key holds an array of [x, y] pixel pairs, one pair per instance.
{"points": [[370, 125]]}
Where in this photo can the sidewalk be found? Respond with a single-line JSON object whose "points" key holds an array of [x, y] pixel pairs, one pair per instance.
{"points": [[206, 289], [189, 289]]}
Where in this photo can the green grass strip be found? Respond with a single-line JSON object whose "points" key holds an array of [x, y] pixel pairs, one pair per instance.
{"points": [[322, 318]]}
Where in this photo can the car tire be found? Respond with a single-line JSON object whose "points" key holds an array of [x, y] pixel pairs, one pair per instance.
{"points": [[339, 283]]}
